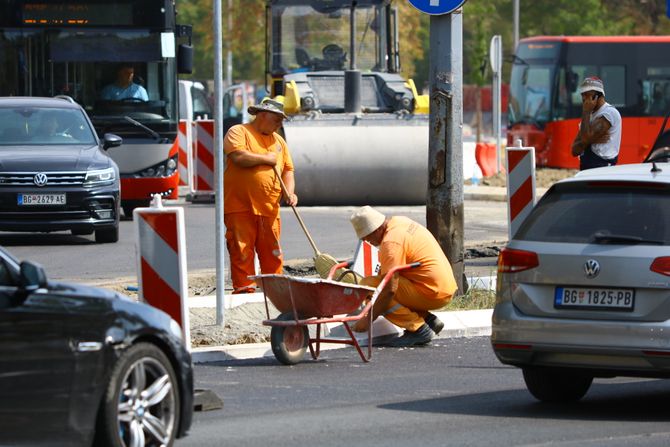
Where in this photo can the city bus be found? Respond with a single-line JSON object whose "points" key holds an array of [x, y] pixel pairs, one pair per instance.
{"points": [[545, 105], [77, 47]]}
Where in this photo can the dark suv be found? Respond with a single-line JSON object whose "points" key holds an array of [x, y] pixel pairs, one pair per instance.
{"points": [[54, 172]]}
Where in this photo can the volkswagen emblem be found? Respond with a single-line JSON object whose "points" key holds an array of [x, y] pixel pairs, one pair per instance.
{"points": [[40, 179], [591, 268]]}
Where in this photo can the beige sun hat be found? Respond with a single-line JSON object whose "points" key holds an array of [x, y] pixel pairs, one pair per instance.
{"points": [[592, 84], [365, 220], [268, 105]]}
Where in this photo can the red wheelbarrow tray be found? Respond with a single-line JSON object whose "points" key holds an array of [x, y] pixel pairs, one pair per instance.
{"points": [[319, 301]]}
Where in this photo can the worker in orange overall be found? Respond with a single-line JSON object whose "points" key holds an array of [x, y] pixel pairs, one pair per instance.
{"points": [[252, 193], [410, 294]]}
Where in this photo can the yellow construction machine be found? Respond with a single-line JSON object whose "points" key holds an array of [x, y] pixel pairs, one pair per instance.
{"points": [[358, 131]]}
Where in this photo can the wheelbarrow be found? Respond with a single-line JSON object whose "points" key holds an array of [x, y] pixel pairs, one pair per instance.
{"points": [[315, 301]]}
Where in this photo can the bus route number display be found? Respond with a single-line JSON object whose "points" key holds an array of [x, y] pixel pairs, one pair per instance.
{"points": [[77, 14]]}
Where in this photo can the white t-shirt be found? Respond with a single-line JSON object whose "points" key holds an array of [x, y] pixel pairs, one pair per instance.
{"points": [[610, 149]]}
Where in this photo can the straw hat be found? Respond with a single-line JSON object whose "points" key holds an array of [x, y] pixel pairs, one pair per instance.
{"points": [[592, 84], [268, 105], [365, 220]]}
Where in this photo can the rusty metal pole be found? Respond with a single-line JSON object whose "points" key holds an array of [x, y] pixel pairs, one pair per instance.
{"points": [[444, 204]]}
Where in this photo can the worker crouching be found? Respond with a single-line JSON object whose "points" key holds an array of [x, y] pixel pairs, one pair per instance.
{"points": [[410, 294]]}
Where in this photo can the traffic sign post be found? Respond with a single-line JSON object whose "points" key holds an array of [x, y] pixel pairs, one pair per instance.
{"points": [[438, 7]]}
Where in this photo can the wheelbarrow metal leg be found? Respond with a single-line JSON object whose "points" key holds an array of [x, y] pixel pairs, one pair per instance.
{"points": [[356, 345]]}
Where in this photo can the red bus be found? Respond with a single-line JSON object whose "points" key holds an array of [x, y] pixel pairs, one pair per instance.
{"points": [[545, 106]]}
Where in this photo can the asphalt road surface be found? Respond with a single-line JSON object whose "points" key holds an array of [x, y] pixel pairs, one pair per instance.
{"points": [[453, 393], [78, 258]]}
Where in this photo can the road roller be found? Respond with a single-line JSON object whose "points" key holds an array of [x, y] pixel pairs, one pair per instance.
{"points": [[357, 130]]}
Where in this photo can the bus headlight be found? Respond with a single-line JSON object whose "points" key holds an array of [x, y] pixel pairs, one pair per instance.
{"points": [[163, 169], [100, 177]]}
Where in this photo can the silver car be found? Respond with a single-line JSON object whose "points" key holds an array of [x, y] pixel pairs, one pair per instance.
{"points": [[584, 285]]}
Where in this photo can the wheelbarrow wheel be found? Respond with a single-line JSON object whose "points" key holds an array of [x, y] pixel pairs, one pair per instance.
{"points": [[289, 343]]}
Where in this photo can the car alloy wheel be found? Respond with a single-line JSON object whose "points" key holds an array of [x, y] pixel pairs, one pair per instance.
{"points": [[142, 403]]}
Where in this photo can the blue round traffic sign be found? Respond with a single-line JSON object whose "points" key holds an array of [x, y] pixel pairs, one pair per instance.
{"points": [[437, 7]]}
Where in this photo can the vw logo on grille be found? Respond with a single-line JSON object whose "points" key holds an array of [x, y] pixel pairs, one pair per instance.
{"points": [[40, 179], [591, 268]]}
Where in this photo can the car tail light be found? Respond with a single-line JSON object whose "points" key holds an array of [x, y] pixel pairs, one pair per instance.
{"points": [[512, 261], [661, 265]]}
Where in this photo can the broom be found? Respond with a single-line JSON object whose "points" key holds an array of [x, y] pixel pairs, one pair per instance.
{"points": [[322, 262]]}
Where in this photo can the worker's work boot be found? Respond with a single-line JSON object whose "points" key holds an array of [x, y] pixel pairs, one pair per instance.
{"points": [[420, 337], [434, 323]]}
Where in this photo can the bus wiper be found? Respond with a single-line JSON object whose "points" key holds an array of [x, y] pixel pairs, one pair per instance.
{"points": [[517, 60], [150, 131], [604, 238]]}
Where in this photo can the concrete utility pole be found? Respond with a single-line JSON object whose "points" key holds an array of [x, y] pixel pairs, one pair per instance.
{"points": [[229, 55], [218, 161], [444, 206], [516, 24]]}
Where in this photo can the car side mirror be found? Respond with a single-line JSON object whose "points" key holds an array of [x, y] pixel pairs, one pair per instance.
{"points": [[111, 140], [32, 277], [184, 59]]}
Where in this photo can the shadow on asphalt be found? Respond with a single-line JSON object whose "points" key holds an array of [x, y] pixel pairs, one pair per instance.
{"points": [[43, 239], [640, 401]]}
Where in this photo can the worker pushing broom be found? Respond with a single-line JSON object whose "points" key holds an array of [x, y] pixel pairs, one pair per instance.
{"points": [[259, 170]]}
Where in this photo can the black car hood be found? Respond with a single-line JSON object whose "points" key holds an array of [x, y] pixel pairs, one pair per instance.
{"points": [[52, 158]]}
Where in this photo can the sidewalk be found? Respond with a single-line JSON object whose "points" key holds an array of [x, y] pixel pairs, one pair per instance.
{"points": [[471, 323]]}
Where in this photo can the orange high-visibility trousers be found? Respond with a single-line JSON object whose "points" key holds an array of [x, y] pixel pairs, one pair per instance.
{"points": [[408, 307], [248, 234]]}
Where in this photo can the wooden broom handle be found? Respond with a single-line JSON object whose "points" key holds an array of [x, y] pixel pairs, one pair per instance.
{"points": [[295, 211]]}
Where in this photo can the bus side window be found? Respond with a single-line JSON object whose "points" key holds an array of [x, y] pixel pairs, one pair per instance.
{"points": [[614, 79]]}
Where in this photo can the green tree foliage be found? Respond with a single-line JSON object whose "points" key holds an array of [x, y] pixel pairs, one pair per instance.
{"points": [[481, 20]]}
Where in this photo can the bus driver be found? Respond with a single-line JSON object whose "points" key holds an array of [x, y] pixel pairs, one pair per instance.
{"points": [[124, 87]]}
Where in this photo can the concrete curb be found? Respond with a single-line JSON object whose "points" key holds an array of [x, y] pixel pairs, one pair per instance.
{"points": [[472, 323]]}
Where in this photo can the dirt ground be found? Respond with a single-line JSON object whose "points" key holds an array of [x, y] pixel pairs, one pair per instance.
{"points": [[544, 177], [243, 323]]}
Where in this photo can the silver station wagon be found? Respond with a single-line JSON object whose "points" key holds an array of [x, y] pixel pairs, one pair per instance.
{"points": [[584, 286]]}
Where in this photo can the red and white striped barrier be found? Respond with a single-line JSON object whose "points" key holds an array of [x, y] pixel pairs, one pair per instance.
{"points": [[366, 259], [185, 154], [203, 163], [520, 185], [161, 261]]}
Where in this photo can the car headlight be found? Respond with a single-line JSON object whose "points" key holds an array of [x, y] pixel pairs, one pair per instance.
{"points": [[175, 330], [100, 177]]}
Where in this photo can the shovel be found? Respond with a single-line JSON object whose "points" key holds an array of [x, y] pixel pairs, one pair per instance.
{"points": [[322, 261]]}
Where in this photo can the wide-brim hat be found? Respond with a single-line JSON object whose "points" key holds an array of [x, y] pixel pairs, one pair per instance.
{"points": [[268, 105], [592, 84], [365, 220]]}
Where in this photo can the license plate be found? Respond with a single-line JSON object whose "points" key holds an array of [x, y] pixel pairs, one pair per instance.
{"points": [[594, 298], [41, 199]]}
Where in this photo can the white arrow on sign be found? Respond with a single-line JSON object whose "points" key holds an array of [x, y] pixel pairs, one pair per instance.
{"points": [[434, 2]]}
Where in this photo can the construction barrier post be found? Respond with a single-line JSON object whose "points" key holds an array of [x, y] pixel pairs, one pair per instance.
{"points": [[185, 154], [161, 261], [366, 259], [203, 162], [520, 185]]}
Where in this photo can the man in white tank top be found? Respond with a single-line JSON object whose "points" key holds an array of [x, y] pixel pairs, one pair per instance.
{"points": [[599, 137]]}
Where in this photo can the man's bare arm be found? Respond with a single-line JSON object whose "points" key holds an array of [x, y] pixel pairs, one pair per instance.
{"points": [[248, 159], [588, 134]]}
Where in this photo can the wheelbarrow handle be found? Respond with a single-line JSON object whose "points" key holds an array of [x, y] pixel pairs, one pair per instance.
{"points": [[392, 271], [339, 265]]}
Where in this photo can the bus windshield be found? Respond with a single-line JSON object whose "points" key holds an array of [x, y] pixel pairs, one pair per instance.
{"points": [[305, 39], [81, 63], [531, 91]]}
